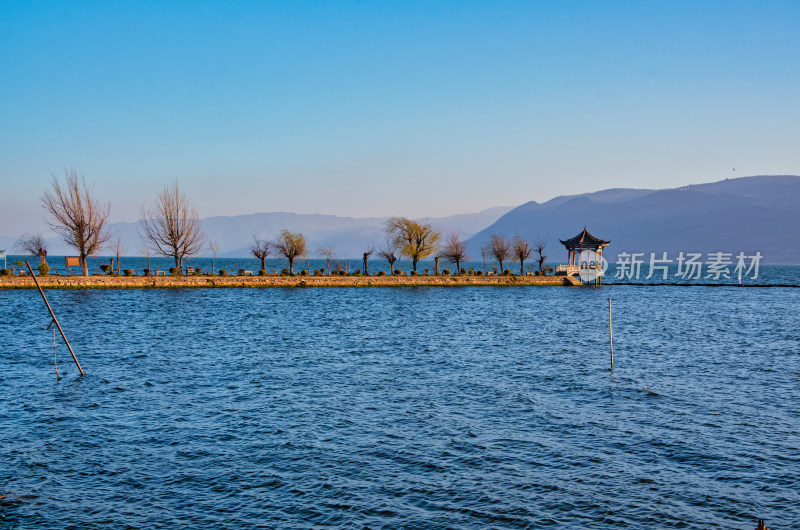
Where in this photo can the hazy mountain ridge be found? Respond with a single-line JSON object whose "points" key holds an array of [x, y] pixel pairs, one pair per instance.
{"points": [[349, 235], [746, 214]]}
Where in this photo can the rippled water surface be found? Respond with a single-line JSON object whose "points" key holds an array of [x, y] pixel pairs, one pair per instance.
{"points": [[417, 407]]}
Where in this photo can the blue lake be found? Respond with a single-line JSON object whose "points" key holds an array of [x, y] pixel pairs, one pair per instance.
{"points": [[417, 407]]}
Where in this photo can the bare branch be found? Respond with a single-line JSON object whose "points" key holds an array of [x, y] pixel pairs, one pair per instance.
{"points": [[260, 250], [500, 249], [455, 251], [522, 251], [171, 226], [76, 215], [34, 244]]}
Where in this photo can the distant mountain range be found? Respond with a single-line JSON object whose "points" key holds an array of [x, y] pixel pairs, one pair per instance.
{"points": [[349, 235], [746, 214]]}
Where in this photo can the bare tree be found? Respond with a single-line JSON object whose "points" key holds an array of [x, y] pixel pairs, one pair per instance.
{"points": [[389, 254], [213, 246], [118, 249], [327, 253], [415, 240], [146, 253], [171, 226], [539, 246], [290, 246], [34, 244], [485, 251], [455, 250], [522, 251], [77, 216], [500, 249], [367, 254], [260, 250]]}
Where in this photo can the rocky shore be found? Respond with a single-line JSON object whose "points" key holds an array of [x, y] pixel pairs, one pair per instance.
{"points": [[207, 281]]}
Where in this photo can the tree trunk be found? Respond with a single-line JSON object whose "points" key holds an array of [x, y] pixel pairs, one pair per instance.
{"points": [[291, 265], [502, 270], [521, 268], [436, 262], [212, 263], [366, 267], [84, 266], [414, 263], [263, 263], [458, 267]]}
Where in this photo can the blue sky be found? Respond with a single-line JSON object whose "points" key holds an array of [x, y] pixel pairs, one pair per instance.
{"points": [[390, 108]]}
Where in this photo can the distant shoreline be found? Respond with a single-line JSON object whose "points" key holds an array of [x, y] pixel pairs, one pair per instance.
{"points": [[210, 282]]}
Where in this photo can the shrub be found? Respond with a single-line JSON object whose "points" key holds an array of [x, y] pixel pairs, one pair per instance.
{"points": [[284, 272], [304, 273], [5, 272], [445, 272], [478, 273], [146, 272], [44, 269], [223, 272], [506, 272], [381, 273], [316, 272], [342, 273], [127, 272], [262, 272], [398, 272], [240, 273], [106, 268], [174, 271]]}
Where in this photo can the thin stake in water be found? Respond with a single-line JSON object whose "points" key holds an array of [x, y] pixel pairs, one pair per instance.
{"points": [[55, 320], [610, 334]]}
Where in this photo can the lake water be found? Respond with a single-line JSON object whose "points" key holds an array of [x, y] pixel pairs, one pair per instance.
{"points": [[416, 407]]}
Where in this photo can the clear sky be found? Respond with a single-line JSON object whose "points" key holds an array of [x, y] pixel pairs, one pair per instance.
{"points": [[377, 108]]}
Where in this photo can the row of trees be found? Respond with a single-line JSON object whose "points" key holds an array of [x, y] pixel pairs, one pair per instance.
{"points": [[412, 239], [170, 227]]}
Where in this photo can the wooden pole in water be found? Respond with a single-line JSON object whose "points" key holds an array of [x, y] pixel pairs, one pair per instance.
{"points": [[610, 334], [54, 318]]}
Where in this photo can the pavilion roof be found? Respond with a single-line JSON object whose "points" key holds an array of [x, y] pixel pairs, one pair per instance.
{"points": [[584, 240]]}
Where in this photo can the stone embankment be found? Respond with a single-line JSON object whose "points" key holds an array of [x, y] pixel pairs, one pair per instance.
{"points": [[207, 281]]}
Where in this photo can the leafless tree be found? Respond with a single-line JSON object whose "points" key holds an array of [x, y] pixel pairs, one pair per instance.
{"points": [[522, 251], [367, 254], [260, 249], [415, 240], [538, 246], [500, 249], [171, 226], [290, 246], [146, 253], [34, 244], [213, 246], [77, 216], [327, 253], [389, 253], [118, 249], [485, 251], [455, 250]]}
